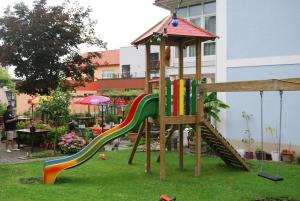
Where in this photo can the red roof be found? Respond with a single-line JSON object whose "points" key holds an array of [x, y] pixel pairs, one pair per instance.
{"points": [[107, 58], [89, 86], [184, 29]]}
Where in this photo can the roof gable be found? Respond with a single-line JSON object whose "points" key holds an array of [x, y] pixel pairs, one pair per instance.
{"points": [[184, 29]]}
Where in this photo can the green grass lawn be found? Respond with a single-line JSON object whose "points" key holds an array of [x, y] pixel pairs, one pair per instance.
{"points": [[112, 179]]}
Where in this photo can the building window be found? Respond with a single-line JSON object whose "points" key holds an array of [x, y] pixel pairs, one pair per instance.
{"points": [[154, 61], [125, 71], [204, 16], [108, 74]]}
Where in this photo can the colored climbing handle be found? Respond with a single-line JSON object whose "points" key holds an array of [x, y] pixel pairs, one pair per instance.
{"points": [[181, 97], [193, 101], [175, 97], [169, 101], [187, 96]]}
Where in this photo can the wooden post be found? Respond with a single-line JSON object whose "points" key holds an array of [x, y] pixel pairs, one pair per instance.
{"points": [[200, 110], [136, 143], [148, 90], [180, 126], [162, 106]]}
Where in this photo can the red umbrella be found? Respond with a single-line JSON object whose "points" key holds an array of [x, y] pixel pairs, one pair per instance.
{"points": [[118, 102], [93, 100]]}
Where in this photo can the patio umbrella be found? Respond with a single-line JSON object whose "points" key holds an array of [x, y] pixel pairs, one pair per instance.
{"points": [[95, 100], [35, 100]]}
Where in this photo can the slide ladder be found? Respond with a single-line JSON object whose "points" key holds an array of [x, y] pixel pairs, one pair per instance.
{"points": [[222, 147]]}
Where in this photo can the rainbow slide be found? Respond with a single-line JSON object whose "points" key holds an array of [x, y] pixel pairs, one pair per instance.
{"points": [[142, 107]]}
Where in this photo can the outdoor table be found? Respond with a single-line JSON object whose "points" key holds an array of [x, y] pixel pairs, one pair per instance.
{"points": [[27, 131], [23, 118]]}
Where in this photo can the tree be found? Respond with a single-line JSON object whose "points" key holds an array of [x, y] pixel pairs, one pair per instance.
{"points": [[43, 44], [5, 79], [56, 106]]}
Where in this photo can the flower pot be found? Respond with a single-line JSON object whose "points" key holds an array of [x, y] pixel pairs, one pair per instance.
{"points": [[263, 155], [287, 157], [249, 155], [241, 152], [32, 129], [275, 156]]}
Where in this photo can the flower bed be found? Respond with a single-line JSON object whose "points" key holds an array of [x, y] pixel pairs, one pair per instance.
{"points": [[71, 143]]}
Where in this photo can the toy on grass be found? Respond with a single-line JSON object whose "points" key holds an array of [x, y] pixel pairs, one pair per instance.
{"points": [[166, 198], [102, 156]]}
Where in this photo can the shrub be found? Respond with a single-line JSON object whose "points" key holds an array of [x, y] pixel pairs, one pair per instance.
{"points": [[111, 118], [71, 143]]}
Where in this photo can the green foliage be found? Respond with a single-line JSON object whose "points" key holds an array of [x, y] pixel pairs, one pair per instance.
{"points": [[2, 108], [6, 80], [55, 133], [111, 118], [212, 106], [43, 42], [258, 150], [247, 139], [127, 108], [22, 124], [122, 93], [57, 107]]}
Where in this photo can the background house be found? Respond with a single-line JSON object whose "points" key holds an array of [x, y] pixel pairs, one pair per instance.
{"points": [[107, 66], [258, 40]]}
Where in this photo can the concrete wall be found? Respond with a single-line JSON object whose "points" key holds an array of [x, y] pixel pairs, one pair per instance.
{"points": [[262, 28], [250, 103]]}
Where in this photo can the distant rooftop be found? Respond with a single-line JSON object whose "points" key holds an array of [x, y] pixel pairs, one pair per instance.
{"points": [[108, 58]]}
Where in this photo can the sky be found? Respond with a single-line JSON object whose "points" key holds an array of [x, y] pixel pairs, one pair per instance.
{"points": [[119, 21]]}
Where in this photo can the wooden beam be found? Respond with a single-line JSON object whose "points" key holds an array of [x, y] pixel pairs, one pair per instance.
{"points": [[199, 109], [147, 124], [162, 109], [148, 68], [181, 147], [292, 84], [180, 73], [180, 55], [190, 119], [136, 143]]}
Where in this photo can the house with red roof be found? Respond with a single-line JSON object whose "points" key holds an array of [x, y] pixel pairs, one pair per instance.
{"points": [[107, 65]]}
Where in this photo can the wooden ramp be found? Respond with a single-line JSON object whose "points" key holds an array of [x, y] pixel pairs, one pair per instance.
{"points": [[222, 147]]}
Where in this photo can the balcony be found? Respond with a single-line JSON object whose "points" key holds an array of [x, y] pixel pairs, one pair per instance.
{"points": [[128, 75]]}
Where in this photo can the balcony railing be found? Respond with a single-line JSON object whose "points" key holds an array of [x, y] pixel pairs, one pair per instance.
{"points": [[154, 73]]}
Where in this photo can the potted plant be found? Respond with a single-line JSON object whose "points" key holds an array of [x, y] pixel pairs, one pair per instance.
{"points": [[273, 133], [260, 154], [247, 139], [287, 155]]}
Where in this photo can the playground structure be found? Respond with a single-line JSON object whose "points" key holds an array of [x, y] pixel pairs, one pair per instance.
{"points": [[178, 103]]}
